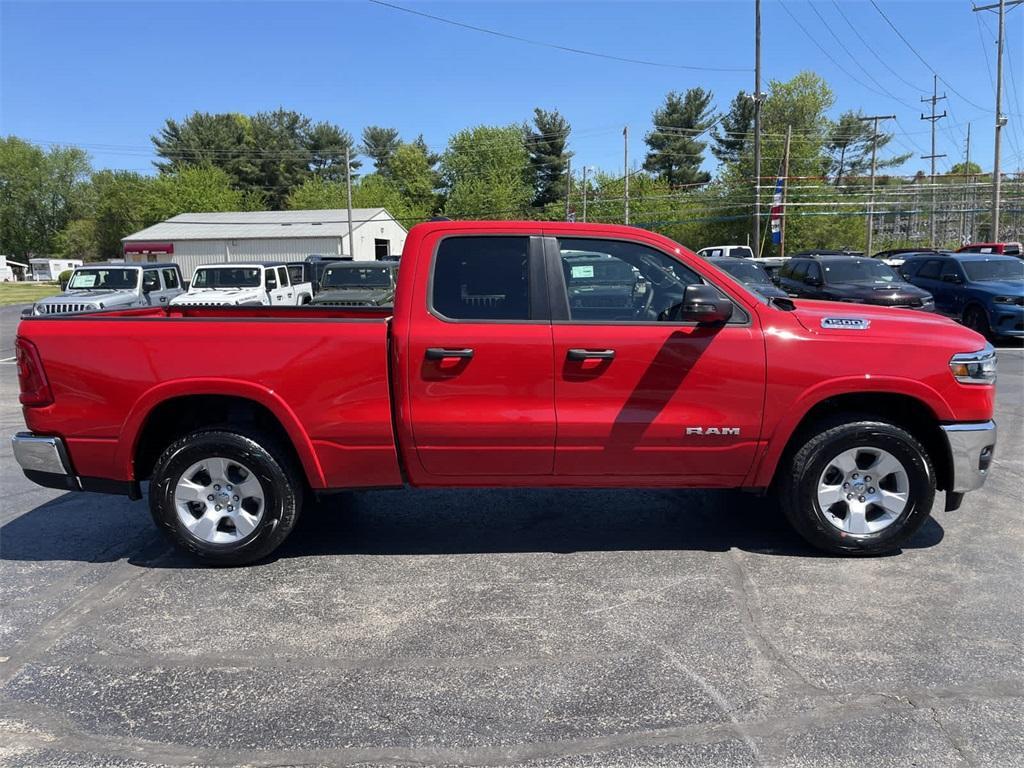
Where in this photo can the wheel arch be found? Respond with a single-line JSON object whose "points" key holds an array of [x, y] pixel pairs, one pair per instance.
{"points": [[916, 415], [173, 410]]}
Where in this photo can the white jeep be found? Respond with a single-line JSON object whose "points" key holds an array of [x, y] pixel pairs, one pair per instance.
{"points": [[250, 284]]}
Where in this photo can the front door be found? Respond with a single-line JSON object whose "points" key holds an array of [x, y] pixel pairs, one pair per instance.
{"points": [[638, 393], [481, 381]]}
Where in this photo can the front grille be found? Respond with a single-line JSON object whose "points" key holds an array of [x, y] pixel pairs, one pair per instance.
{"points": [[60, 309]]}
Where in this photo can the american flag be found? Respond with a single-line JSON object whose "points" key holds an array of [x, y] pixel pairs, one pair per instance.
{"points": [[776, 212]]}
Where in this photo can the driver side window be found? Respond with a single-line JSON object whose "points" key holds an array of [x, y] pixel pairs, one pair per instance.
{"points": [[619, 281]]}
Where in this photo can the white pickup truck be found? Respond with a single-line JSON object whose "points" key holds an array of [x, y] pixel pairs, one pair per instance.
{"points": [[265, 284]]}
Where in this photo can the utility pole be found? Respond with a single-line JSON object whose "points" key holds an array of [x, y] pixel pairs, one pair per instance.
{"points": [[968, 184], [933, 118], [874, 161], [757, 128], [568, 188], [348, 185], [785, 190], [584, 194], [625, 170], [1000, 117]]}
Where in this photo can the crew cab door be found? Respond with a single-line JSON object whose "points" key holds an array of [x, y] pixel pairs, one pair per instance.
{"points": [[480, 379], [637, 394]]}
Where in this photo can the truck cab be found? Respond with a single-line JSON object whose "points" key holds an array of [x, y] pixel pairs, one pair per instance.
{"points": [[97, 287], [238, 284]]}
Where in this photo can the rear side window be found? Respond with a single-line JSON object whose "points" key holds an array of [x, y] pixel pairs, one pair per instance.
{"points": [[295, 273], [282, 275], [482, 278], [170, 279], [930, 270], [814, 271]]}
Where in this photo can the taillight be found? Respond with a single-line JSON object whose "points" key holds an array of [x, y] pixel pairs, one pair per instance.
{"points": [[35, 389]]}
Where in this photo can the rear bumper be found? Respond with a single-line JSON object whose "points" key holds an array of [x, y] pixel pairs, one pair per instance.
{"points": [[44, 460], [971, 448]]}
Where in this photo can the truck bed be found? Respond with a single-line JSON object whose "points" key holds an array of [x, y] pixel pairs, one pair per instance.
{"points": [[322, 372]]}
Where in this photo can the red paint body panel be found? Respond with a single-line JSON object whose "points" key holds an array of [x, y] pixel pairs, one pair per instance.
{"points": [[358, 398]]}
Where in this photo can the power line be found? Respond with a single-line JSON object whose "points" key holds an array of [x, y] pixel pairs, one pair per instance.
{"points": [[555, 46], [873, 52], [922, 60]]}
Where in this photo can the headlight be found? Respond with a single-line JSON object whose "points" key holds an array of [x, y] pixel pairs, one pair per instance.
{"points": [[974, 367]]}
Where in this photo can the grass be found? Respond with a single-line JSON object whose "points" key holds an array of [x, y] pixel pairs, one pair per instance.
{"points": [[25, 293]]}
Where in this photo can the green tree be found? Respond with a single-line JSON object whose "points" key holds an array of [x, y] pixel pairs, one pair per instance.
{"points": [[732, 136], [546, 141], [78, 240], [675, 153], [379, 144], [410, 171], [486, 172], [268, 153], [849, 147], [965, 169], [119, 208], [192, 189], [41, 192]]}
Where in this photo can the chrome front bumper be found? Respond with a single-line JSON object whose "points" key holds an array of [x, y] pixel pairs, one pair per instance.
{"points": [[971, 448]]}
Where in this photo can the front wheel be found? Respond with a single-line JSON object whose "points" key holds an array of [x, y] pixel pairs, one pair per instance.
{"points": [[226, 497], [863, 487], [976, 319]]}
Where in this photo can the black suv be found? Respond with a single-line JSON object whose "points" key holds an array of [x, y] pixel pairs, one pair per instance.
{"points": [[852, 279]]}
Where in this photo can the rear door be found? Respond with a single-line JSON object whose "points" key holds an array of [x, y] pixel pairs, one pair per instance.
{"points": [[640, 395], [480, 375]]}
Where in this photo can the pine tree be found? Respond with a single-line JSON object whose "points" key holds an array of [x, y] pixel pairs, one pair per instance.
{"points": [[735, 131], [676, 153], [380, 144], [549, 159]]}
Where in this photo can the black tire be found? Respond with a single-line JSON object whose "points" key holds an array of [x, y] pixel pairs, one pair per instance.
{"points": [[281, 482], [799, 485], [976, 319]]}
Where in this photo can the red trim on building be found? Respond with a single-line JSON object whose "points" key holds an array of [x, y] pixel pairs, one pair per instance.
{"points": [[167, 248]]}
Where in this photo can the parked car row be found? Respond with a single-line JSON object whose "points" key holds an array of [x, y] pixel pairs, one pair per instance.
{"points": [[981, 285], [105, 286]]}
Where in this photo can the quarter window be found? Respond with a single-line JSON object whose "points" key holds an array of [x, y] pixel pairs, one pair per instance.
{"points": [[170, 279], [930, 270], [618, 281], [482, 278]]}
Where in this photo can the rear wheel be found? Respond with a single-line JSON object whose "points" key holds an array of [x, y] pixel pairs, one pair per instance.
{"points": [[976, 319], [859, 488], [226, 497]]}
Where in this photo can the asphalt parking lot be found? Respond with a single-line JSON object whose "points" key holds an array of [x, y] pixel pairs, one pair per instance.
{"points": [[535, 628]]}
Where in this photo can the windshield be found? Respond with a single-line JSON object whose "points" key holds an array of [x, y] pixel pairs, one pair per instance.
{"points": [[227, 277], [744, 271], [994, 269], [859, 271], [104, 279], [356, 277]]}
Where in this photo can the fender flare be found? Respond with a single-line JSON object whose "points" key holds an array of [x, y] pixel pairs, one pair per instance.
{"points": [[776, 440], [140, 411]]}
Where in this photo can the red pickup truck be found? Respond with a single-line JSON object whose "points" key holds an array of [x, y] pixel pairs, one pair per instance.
{"points": [[516, 354]]}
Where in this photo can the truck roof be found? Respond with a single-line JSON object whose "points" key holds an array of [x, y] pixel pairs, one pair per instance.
{"points": [[127, 265], [233, 264]]}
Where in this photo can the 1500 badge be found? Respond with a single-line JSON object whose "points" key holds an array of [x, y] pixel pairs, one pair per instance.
{"points": [[845, 323]]}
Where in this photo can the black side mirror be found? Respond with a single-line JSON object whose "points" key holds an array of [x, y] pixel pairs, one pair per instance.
{"points": [[704, 304]]}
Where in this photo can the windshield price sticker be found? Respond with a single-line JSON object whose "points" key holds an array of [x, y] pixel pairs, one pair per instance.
{"points": [[85, 280], [583, 271], [845, 323]]}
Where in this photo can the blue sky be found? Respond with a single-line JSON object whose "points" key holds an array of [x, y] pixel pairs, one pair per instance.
{"points": [[104, 76]]}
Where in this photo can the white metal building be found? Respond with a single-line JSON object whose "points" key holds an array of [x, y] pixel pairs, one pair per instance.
{"points": [[192, 239]]}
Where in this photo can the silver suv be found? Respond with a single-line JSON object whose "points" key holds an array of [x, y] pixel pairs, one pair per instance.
{"points": [[95, 287]]}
